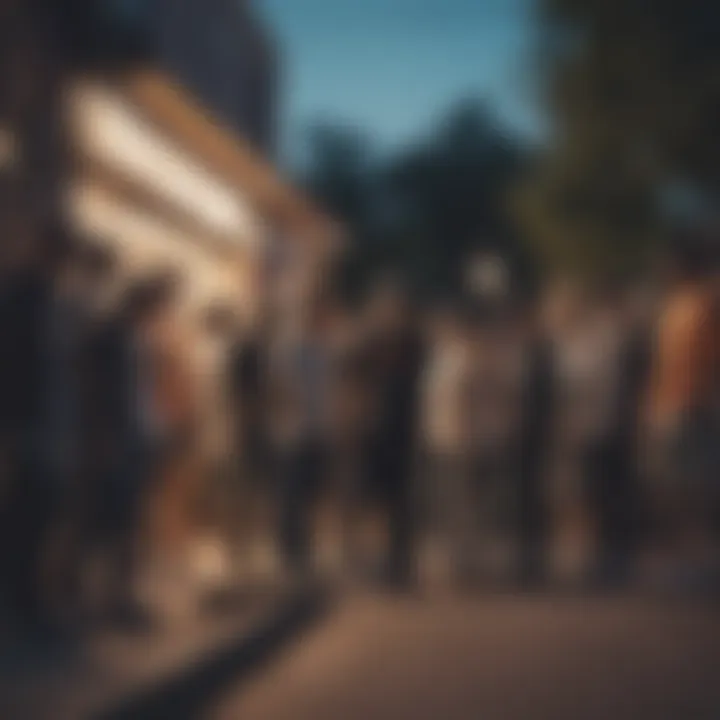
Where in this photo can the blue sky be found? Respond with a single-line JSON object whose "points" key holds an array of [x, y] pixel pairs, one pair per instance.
{"points": [[392, 66]]}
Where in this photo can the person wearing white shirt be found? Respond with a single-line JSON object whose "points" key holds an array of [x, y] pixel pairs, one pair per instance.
{"points": [[447, 441], [499, 368]]}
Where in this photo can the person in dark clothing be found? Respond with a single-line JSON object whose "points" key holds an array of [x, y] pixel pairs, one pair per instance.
{"points": [[39, 327], [535, 446], [90, 383], [79, 283], [304, 374], [611, 462], [127, 438], [248, 388], [620, 504], [305, 466], [351, 406], [28, 504], [256, 468], [397, 357], [108, 510]]}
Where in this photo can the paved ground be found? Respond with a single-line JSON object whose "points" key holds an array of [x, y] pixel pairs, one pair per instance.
{"points": [[63, 681], [496, 658]]}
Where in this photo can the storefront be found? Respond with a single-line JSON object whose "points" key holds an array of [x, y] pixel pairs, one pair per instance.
{"points": [[165, 184], [167, 188], [155, 203]]}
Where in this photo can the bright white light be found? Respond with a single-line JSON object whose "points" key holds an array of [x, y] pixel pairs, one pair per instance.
{"points": [[143, 243], [488, 277], [111, 130]]}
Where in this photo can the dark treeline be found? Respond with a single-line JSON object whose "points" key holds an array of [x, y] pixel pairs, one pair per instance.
{"points": [[424, 210], [629, 89]]}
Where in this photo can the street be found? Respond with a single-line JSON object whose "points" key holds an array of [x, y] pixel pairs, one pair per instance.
{"points": [[495, 658]]}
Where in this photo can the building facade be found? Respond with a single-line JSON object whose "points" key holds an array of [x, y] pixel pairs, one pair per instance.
{"points": [[98, 143], [220, 51]]}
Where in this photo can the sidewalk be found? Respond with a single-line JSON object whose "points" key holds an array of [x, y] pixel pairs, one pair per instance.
{"points": [[118, 675]]}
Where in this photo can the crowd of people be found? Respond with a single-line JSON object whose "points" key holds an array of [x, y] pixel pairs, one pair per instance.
{"points": [[86, 427], [468, 425], [450, 423]]}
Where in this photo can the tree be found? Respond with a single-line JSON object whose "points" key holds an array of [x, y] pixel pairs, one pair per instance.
{"points": [[633, 87], [453, 188], [422, 211], [339, 171], [341, 176]]}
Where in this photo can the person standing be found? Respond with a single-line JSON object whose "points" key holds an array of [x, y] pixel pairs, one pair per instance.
{"points": [[247, 385], [397, 358], [536, 434], [106, 388], [173, 416], [139, 436], [248, 388], [447, 425], [684, 388], [69, 428], [302, 381], [29, 305], [623, 517], [598, 370], [496, 409], [351, 405], [221, 492]]}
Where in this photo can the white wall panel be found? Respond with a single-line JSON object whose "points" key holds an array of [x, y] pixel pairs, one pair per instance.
{"points": [[108, 128], [144, 244]]}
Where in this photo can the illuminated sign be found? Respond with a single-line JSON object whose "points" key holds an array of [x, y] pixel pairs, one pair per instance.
{"points": [[112, 131]]}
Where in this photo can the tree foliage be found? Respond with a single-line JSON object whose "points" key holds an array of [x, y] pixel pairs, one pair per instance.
{"points": [[424, 210], [633, 87]]}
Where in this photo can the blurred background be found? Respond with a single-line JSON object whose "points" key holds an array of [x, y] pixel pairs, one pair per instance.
{"points": [[396, 321]]}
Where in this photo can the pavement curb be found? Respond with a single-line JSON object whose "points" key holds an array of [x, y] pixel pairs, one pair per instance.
{"points": [[186, 694]]}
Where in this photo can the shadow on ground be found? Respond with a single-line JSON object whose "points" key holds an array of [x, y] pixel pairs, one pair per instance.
{"points": [[186, 695]]}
